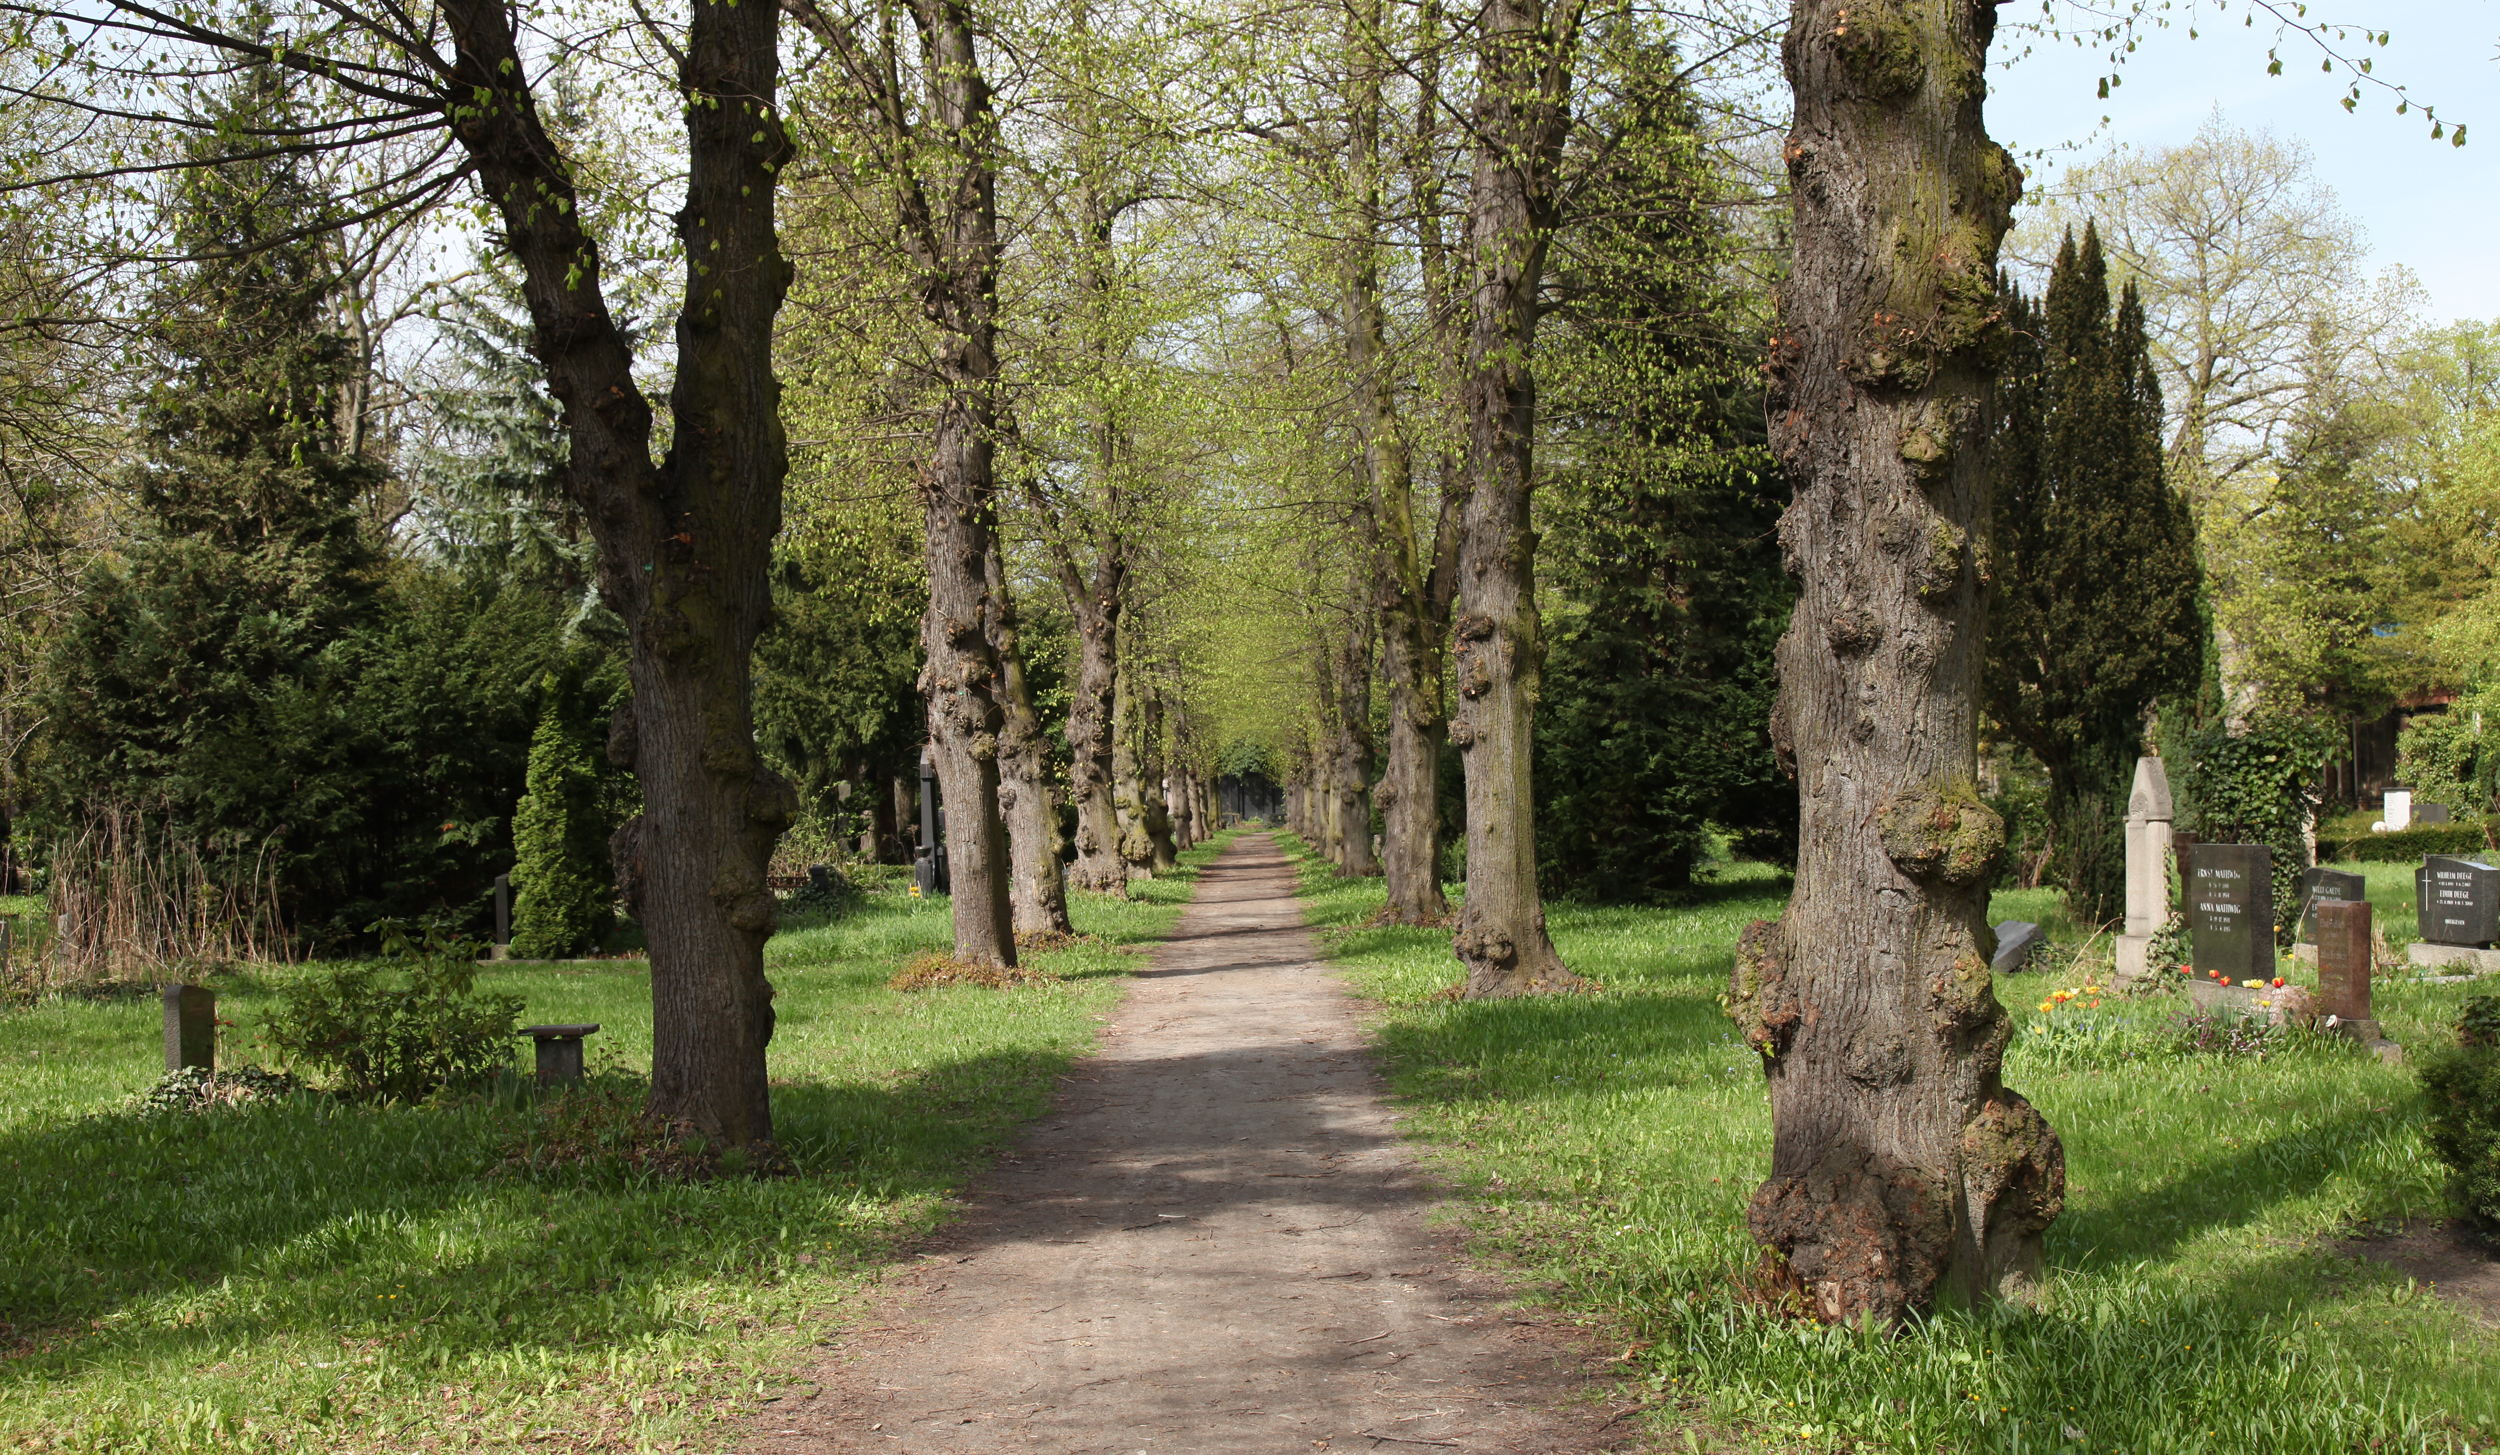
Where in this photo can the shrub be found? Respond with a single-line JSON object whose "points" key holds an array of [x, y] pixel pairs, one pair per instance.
{"points": [[2406, 846], [2464, 1090], [196, 1088], [402, 1041]]}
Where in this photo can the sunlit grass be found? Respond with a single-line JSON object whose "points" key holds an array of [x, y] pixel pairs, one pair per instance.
{"points": [[306, 1275], [1609, 1143]]}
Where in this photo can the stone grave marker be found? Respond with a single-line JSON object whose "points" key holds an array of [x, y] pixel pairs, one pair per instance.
{"points": [[190, 1027], [2428, 813], [2327, 886], [2148, 867], [2016, 940], [2343, 931], [2230, 895], [2457, 900]]}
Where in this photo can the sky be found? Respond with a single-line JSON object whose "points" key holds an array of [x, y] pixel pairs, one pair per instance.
{"points": [[2424, 205]]}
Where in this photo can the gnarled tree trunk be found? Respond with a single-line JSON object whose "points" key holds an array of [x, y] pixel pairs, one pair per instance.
{"points": [[1522, 116], [1901, 1167], [1027, 801], [1092, 715], [685, 546], [1154, 790]]}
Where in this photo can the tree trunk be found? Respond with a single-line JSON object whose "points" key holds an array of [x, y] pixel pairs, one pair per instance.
{"points": [[1038, 893], [1128, 767], [1153, 795], [1522, 117], [1353, 748], [1092, 715], [684, 546], [1410, 645], [1900, 1165]]}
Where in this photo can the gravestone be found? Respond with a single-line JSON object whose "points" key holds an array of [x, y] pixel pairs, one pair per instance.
{"points": [[2327, 886], [2398, 810], [190, 1027], [2016, 939], [502, 949], [2343, 936], [2457, 900], [924, 860], [2230, 894], [2429, 813], [2148, 866]]}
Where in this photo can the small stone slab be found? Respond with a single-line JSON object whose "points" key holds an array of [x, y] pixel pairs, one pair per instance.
{"points": [[2016, 939], [2430, 955]]}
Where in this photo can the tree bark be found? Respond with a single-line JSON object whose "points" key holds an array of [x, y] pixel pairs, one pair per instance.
{"points": [[1902, 1170], [943, 162], [1027, 800], [685, 546], [1522, 116], [1352, 810], [1128, 765], [1093, 711]]}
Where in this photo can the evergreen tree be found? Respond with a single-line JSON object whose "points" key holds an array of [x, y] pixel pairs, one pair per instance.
{"points": [[564, 883], [1653, 723], [2096, 614], [207, 671]]}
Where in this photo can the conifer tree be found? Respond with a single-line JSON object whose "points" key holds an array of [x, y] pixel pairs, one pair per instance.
{"points": [[564, 884], [2096, 612], [207, 670]]}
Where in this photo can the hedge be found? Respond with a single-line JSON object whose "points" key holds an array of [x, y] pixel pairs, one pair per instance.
{"points": [[2407, 846]]}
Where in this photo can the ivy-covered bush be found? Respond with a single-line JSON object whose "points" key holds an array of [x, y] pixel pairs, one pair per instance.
{"points": [[2463, 1084], [2259, 787], [2441, 755], [404, 1035]]}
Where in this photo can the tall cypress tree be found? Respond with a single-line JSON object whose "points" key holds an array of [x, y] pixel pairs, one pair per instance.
{"points": [[2097, 579]]}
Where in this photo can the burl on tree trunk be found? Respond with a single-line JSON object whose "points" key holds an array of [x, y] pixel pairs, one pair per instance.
{"points": [[684, 545], [1522, 117], [1902, 1169]]}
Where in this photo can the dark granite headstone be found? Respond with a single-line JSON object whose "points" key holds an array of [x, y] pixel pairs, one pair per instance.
{"points": [[2016, 939], [2230, 904], [503, 911], [2327, 886], [2457, 900], [190, 1027], [2344, 959], [2432, 813]]}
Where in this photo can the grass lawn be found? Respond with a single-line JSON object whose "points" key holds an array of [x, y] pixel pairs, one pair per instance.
{"points": [[306, 1275], [1609, 1144]]}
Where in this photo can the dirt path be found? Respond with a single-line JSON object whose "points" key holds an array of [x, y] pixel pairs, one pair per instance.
{"points": [[1216, 1244]]}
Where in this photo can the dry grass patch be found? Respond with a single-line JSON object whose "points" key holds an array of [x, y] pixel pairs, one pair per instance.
{"points": [[928, 971]]}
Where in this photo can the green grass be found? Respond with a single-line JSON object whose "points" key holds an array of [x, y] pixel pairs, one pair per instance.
{"points": [[1609, 1144], [307, 1275]]}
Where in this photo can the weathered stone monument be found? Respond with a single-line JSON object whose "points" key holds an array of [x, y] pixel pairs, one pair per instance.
{"points": [[2016, 940], [190, 1027], [2456, 903], [2230, 903], [2148, 867], [2344, 971], [2431, 813]]}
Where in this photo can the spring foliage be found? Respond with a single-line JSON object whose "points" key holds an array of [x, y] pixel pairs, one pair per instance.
{"points": [[564, 884]]}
